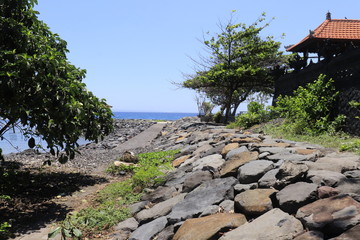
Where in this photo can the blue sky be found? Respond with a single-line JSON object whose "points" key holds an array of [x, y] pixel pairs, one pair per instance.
{"points": [[133, 50]]}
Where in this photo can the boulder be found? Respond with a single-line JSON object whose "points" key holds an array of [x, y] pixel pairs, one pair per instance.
{"points": [[273, 145], [290, 172], [332, 215], [214, 161], [129, 157], [274, 150], [235, 152], [202, 149], [253, 171], [129, 224], [227, 206], [210, 210], [137, 207], [166, 234], [350, 186], [291, 157], [296, 195], [149, 230], [205, 228], [273, 225], [310, 235], [215, 150], [177, 162], [176, 178], [194, 179], [352, 174], [158, 210], [254, 202], [160, 194], [238, 188], [325, 178], [324, 166], [307, 151], [347, 163], [269, 179], [246, 140], [228, 148], [230, 167], [208, 193]]}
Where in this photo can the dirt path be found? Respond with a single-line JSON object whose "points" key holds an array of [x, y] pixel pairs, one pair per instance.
{"points": [[79, 199]]}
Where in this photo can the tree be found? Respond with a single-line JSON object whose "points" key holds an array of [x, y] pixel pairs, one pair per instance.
{"points": [[239, 65], [41, 92]]}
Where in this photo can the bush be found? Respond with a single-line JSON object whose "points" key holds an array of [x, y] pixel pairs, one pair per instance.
{"points": [[256, 114], [310, 110]]}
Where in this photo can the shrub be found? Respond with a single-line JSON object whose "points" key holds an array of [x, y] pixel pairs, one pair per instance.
{"points": [[310, 110], [256, 114]]}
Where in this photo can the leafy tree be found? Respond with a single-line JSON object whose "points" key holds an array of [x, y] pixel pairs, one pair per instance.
{"points": [[41, 92], [239, 65], [255, 114]]}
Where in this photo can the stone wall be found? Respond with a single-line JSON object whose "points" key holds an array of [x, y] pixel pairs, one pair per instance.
{"points": [[345, 70]]}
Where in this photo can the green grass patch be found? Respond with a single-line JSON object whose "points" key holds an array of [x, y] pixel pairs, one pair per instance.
{"points": [[110, 205], [340, 140]]}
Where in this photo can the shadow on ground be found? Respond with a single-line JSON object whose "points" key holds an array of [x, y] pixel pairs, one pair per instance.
{"points": [[26, 195]]}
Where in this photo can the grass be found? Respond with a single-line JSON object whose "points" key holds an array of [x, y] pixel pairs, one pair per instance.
{"points": [[340, 140], [110, 205]]}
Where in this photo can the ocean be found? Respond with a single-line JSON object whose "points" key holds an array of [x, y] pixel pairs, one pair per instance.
{"points": [[16, 142]]}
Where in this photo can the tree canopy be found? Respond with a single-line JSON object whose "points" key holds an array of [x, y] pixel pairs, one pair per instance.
{"points": [[239, 64], [41, 92]]}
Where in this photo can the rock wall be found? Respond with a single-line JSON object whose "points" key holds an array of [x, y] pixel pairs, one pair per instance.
{"points": [[231, 185]]}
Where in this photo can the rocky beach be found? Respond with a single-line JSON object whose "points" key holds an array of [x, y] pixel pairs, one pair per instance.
{"points": [[227, 184], [237, 185]]}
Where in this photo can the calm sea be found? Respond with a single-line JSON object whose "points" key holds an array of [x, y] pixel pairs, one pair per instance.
{"points": [[16, 141]]}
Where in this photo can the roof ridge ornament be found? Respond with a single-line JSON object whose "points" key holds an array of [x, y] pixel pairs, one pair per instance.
{"points": [[328, 16]]}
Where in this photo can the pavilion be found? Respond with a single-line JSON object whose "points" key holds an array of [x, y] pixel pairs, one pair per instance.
{"points": [[331, 38]]}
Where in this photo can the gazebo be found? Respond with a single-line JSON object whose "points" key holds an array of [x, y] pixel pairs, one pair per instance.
{"points": [[331, 38]]}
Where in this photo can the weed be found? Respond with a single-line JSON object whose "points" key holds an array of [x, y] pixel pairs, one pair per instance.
{"points": [[110, 205]]}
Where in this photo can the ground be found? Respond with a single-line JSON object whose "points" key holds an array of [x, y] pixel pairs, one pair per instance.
{"points": [[42, 195]]}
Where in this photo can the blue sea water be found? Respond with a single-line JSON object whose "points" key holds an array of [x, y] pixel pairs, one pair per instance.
{"points": [[16, 142], [152, 115]]}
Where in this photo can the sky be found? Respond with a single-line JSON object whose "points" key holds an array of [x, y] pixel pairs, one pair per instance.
{"points": [[134, 50]]}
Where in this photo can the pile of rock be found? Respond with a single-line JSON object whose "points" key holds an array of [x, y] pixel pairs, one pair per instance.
{"points": [[230, 185]]}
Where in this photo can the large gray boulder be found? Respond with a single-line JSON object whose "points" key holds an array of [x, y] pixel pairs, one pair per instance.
{"points": [[160, 209], [290, 172], [235, 152], [149, 230], [274, 150], [291, 157], [160, 194], [214, 161], [273, 225], [194, 179], [207, 194], [296, 195], [269, 179], [325, 178], [129, 224], [253, 171]]}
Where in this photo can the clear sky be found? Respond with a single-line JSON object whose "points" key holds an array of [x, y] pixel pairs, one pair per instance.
{"points": [[133, 49]]}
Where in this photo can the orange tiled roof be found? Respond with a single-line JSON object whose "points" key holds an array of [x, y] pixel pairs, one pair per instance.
{"points": [[339, 29]]}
